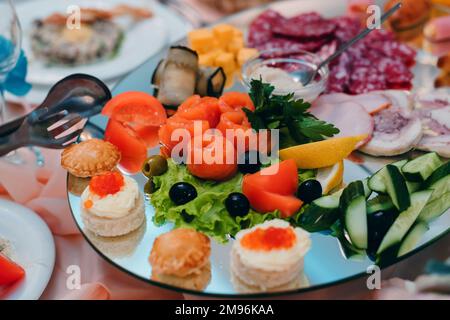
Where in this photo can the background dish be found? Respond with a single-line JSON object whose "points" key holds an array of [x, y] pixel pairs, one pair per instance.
{"points": [[324, 248], [143, 40], [32, 248]]}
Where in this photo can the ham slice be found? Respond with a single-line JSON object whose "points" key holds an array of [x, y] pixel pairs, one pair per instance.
{"points": [[350, 117], [372, 102]]}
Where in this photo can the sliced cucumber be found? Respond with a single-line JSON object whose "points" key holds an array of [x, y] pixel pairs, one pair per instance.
{"points": [[379, 203], [405, 220], [367, 190], [353, 205], [376, 182], [321, 214], [348, 250], [435, 208], [419, 169], [412, 186], [396, 187], [412, 238], [439, 181]]}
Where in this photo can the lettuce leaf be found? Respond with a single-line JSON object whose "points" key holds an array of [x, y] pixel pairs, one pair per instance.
{"points": [[207, 212]]}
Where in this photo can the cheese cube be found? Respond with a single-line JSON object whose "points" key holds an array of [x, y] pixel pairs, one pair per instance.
{"points": [[226, 61], [246, 54], [209, 58], [201, 40], [224, 34], [235, 45]]}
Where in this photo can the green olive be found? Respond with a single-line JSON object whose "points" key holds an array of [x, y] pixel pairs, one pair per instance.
{"points": [[154, 166], [149, 187]]}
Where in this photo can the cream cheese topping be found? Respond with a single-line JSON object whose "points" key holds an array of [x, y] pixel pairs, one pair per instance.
{"points": [[115, 205], [278, 259]]}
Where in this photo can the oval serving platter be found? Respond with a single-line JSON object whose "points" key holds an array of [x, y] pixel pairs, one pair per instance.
{"points": [[325, 264]]}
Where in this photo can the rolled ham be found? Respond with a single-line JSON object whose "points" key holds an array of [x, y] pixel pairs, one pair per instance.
{"points": [[396, 131]]}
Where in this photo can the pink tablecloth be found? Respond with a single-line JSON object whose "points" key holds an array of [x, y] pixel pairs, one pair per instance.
{"points": [[44, 191]]}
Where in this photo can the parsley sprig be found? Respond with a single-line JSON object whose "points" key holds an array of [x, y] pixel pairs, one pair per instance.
{"points": [[284, 112]]}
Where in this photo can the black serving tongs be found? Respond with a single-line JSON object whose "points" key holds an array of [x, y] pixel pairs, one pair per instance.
{"points": [[80, 94]]}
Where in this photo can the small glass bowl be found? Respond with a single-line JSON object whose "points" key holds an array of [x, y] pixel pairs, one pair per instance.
{"points": [[302, 61]]}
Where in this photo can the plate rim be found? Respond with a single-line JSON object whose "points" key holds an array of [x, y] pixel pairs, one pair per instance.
{"points": [[247, 295], [29, 212]]}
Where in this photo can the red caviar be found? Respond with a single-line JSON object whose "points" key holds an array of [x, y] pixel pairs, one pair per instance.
{"points": [[88, 204], [271, 238], [107, 183]]}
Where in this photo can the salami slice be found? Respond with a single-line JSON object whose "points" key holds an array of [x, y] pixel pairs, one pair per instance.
{"points": [[350, 117], [313, 29], [260, 29], [285, 47]]}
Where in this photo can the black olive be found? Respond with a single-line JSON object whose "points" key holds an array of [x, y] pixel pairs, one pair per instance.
{"points": [[154, 166], [187, 217], [378, 224], [149, 187], [309, 191], [237, 204], [182, 192], [249, 162]]}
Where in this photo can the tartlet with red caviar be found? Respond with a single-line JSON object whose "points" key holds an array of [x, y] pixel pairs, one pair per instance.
{"points": [[112, 205], [269, 255]]}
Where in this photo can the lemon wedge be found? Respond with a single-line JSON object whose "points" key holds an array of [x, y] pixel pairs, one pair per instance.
{"points": [[330, 177], [322, 153]]}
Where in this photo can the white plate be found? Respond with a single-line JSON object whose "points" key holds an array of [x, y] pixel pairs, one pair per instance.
{"points": [[141, 41], [32, 248]]}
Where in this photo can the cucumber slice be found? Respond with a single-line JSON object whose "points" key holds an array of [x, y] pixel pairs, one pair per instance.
{"points": [[367, 190], [412, 186], [376, 182], [435, 208], [412, 238], [353, 205], [439, 181], [396, 187], [419, 169], [379, 203], [321, 214], [405, 220], [348, 250]]}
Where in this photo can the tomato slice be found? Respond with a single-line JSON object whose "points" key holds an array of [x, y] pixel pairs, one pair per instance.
{"points": [[238, 100], [264, 201], [132, 148], [10, 271], [149, 134], [196, 108], [280, 178], [213, 159], [136, 108]]}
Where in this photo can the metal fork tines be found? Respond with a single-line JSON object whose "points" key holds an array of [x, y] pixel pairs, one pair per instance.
{"points": [[54, 131]]}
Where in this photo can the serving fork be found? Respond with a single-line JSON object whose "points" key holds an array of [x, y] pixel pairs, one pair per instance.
{"points": [[43, 129]]}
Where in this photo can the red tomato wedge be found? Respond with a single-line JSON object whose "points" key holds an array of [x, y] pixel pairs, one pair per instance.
{"points": [[10, 271], [272, 188], [148, 134], [280, 178], [135, 108], [264, 201], [196, 108], [132, 148], [238, 100], [211, 157]]}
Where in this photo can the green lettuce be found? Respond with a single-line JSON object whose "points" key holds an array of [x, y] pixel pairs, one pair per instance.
{"points": [[207, 212]]}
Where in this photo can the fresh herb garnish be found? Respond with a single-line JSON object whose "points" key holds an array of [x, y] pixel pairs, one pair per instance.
{"points": [[284, 112]]}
